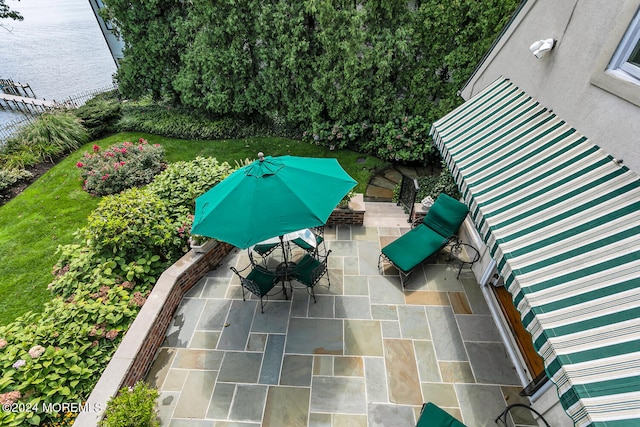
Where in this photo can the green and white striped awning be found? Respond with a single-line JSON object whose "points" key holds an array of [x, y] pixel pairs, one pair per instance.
{"points": [[562, 221]]}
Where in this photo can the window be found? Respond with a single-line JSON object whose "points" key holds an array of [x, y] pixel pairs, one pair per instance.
{"points": [[626, 61]]}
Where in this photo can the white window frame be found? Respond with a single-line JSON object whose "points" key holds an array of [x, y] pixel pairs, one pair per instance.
{"points": [[619, 64]]}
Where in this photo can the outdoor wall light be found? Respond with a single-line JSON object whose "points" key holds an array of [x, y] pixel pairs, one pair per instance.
{"points": [[541, 47]]}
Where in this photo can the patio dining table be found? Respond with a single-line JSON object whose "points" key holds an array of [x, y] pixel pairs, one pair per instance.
{"points": [[285, 268]]}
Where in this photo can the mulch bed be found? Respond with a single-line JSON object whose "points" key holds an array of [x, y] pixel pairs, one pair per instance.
{"points": [[17, 188]]}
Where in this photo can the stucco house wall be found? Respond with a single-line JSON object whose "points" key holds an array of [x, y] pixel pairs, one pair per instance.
{"points": [[571, 79]]}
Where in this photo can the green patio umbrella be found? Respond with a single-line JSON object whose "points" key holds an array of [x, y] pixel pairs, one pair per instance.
{"points": [[271, 197]]}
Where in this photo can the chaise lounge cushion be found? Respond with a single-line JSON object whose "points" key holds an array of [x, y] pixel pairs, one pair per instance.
{"points": [[414, 247], [446, 215], [438, 226], [433, 416]]}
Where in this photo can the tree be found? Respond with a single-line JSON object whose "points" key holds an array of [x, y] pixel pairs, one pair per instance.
{"points": [[357, 69], [7, 13], [152, 48]]}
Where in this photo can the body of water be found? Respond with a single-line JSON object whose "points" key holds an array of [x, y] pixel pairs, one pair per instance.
{"points": [[58, 50]]}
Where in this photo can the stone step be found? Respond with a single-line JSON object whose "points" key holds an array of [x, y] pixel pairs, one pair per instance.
{"points": [[384, 207], [385, 214], [386, 222], [408, 170], [393, 175], [383, 182], [375, 193]]}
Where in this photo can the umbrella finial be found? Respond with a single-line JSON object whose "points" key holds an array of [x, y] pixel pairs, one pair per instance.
{"points": [[261, 156]]}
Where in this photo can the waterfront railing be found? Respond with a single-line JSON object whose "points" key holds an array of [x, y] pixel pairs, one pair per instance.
{"points": [[72, 102]]}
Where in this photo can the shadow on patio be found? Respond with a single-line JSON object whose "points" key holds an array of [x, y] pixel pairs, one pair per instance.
{"points": [[366, 354]]}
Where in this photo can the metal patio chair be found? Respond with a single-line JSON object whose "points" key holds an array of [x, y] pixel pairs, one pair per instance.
{"points": [[259, 282], [309, 270]]}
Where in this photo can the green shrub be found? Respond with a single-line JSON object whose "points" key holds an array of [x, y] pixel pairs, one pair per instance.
{"points": [[168, 121], [338, 135], [50, 136], [58, 355], [434, 185], [175, 122], [8, 177], [80, 264], [182, 182], [444, 184], [99, 115], [132, 407], [134, 226], [120, 166], [404, 139]]}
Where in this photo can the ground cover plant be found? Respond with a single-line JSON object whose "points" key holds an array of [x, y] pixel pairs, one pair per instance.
{"points": [[162, 118], [133, 403], [99, 285]]}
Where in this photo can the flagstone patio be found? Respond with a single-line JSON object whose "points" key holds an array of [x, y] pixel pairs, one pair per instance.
{"points": [[368, 353]]}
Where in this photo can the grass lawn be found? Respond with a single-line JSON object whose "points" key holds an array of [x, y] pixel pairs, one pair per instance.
{"points": [[232, 150], [32, 226], [50, 210]]}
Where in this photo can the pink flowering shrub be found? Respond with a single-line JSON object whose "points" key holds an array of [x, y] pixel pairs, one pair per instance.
{"points": [[58, 355], [121, 166]]}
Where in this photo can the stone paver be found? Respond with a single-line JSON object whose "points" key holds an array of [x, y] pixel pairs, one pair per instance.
{"points": [[368, 353]]}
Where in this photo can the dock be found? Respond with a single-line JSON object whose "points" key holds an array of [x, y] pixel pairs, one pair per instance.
{"points": [[24, 104], [20, 97]]}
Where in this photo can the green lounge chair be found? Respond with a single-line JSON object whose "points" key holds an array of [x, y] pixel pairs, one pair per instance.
{"points": [[437, 229], [433, 416]]}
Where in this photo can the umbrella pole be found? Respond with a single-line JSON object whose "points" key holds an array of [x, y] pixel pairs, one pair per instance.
{"points": [[284, 250], [285, 264]]}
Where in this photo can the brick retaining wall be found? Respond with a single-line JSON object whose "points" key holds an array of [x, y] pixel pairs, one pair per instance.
{"points": [[137, 351], [346, 217], [353, 215], [138, 348]]}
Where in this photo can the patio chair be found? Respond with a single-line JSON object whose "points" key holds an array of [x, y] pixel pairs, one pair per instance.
{"points": [[435, 231], [259, 282], [318, 232], [309, 270], [432, 416], [263, 250]]}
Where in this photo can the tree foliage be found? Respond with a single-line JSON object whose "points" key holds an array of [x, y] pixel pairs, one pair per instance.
{"points": [[311, 62], [7, 13]]}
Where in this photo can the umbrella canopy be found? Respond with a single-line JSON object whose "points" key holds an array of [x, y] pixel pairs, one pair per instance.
{"points": [[271, 197]]}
